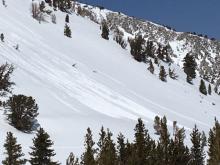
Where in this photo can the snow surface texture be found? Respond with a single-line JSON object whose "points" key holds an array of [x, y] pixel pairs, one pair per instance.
{"points": [[106, 87]]}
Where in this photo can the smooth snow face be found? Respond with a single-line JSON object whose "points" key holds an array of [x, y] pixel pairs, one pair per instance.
{"points": [[106, 86]]}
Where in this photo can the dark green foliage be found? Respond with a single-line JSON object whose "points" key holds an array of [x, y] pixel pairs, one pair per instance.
{"points": [[163, 74], [42, 152], [149, 51], [13, 151], [202, 88], [214, 145], [2, 37], [143, 144], [88, 155], [189, 67], [157, 125], [121, 150], [67, 31], [179, 152], [156, 60], [197, 149], [105, 31], [160, 54], [137, 48], [210, 90], [5, 79], [67, 18], [21, 112], [151, 67], [107, 152], [71, 160], [164, 141], [172, 74]]}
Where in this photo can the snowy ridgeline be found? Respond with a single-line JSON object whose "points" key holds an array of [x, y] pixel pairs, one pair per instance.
{"points": [[106, 86]]}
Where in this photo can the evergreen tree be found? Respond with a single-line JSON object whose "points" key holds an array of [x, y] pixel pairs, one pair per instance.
{"points": [[2, 37], [107, 152], [71, 160], [156, 60], [214, 145], [180, 153], [5, 79], [151, 67], [67, 18], [202, 87], [157, 125], [42, 152], [210, 90], [197, 149], [137, 48], [13, 151], [21, 112], [142, 144], [121, 150], [67, 31], [88, 155], [164, 142], [163, 74], [172, 74], [150, 49], [160, 54], [105, 31], [189, 67]]}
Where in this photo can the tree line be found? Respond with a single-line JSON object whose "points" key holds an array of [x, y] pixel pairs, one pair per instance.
{"points": [[168, 149]]}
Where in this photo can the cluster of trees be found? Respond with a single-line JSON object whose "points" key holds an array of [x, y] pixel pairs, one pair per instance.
{"points": [[62, 5], [169, 149], [142, 50], [21, 110], [41, 151]]}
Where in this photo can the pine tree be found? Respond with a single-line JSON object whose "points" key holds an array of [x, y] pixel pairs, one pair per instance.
{"points": [[13, 151], [105, 31], [164, 141], [214, 145], [150, 49], [157, 125], [151, 67], [21, 112], [202, 87], [88, 155], [189, 67], [2, 37], [121, 150], [210, 90], [156, 60], [67, 18], [142, 144], [160, 54], [5, 79], [67, 31], [163, 74], [107, 152], [197, 149], [180, 153], [42, 152], [137, 48], [72, 160], [172, 74]]}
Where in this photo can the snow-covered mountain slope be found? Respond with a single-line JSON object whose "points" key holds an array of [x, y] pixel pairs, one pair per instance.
{"points": [[106, 87]]}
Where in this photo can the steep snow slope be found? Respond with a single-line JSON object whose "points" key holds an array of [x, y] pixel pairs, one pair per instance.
{"points": [[107, 87]]}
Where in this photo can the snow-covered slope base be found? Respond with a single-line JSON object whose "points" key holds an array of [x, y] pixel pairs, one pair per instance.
{"points": [[106, 87]]}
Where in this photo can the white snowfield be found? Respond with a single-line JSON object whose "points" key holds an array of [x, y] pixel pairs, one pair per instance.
{"points": [[106, 87]]}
